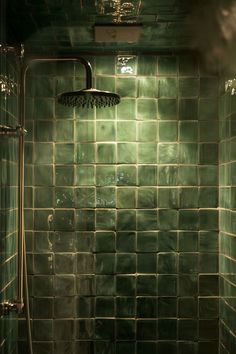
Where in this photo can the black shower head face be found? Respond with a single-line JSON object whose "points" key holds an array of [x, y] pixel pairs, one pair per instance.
{"points": [[89, 98]]}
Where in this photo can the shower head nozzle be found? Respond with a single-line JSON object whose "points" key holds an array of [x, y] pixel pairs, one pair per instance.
{"points": [[89, 98]]}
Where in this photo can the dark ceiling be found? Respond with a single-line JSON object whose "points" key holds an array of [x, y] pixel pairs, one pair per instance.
{"points": [[68, 25]]}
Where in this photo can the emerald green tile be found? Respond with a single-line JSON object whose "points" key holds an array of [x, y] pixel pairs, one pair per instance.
{"points": [[188, 175], [44, 108], [168, 175], [105, 65], [146, 263], [86, 113], [167, 307], [147, 87], [167, 285], [147, 198], [63, 112], [43, 153], [147, 241], [188, 241], [147, 153], [146, 307], [64, 220], [84, 175], [208, 263], [188, 198], [208, 175], [188, 329], [126, 109], [168, 131], [85, 263], [147, 109], [209, 87], [208, 241], [106, 113], [104, 329], [167, 328], [84, 329], [105, 219], [105, 263], [106, 197], [64, 130], [85, 197], [125, 285], [64, 197], [126, 86], [188, 87], [42, 330], [84, 241], [188, 131], [147, 131], [85, 153], [188, 109], [188, 153], [125, 263], [64, 175], [167, 108], [85, 131], [168, 198], [208, 154], [208, 219], [188, 220], [147, 65], [208, 307], [65, 263], [85, 220], [106, 153], [188, 65], [126, 64], [43, 175], [188, 263], [147, 175], [105, 131], [208, 197], [64, 153], [167, 87], [208, 285], [126, 241], [85, 285], [146, 285], [64, 84], [105, 175], [43, 131], [126, 131], [188, 285], [126, 198], [167, 65], [167, 153], [146, 329], [208, 109], [146, 220], [126, 220], [208, 329], [43, 86], [167, 241], [126, 153], [105, 83], [125, 307], [105, 307], [41, 219], [167, 263], [105, 241]]}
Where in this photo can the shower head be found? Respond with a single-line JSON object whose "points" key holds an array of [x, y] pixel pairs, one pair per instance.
{"points": [[89, 98]]}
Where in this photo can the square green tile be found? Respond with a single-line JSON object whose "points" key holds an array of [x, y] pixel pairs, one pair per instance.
{"points": [[188, 197], [147, 65], [146, 220], [43, 175], [64, 130], [188, 131], [147, 131], [85, 131], [208, 109], [44, 131], [126, 109], [126, 220], [147, 241], [64, 175], [146, 263], [188, 109], [208, 154], [105, 263], [105, 241], [167, 109], [43, 197], [126, 153], [106, 83], [188, 153], [188, 220], [147, 87], [126, 86], [105, 131], [105, 175], [167, 65], [188, 175], [64, 197], [167, 87], [147, 153], [147, 108], [168, 153], [84, 175], [105, 219], [168, 131], [126, 198], [188, 65], [64, 153], [105, 65], [43, 153], [126, 131], [168, 197], [126, 64], [168, 175], [85, 197], [188, 87], [85, 220], [106, 197], [106, 153], [147, 175], [147, 198], [125, 263]]}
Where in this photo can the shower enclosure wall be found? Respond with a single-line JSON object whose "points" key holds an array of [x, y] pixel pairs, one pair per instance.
{"points": [[121, 209]]}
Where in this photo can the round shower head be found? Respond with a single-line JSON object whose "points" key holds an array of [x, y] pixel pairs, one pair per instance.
{"points": [[89, 98]]}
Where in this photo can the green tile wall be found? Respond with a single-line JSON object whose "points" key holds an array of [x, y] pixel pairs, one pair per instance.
{"points": [[227, 239], [8, 205], [121, 217]]}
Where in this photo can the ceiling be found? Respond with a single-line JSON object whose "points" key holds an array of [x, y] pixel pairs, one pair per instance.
{"points": [[68, 25]]}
